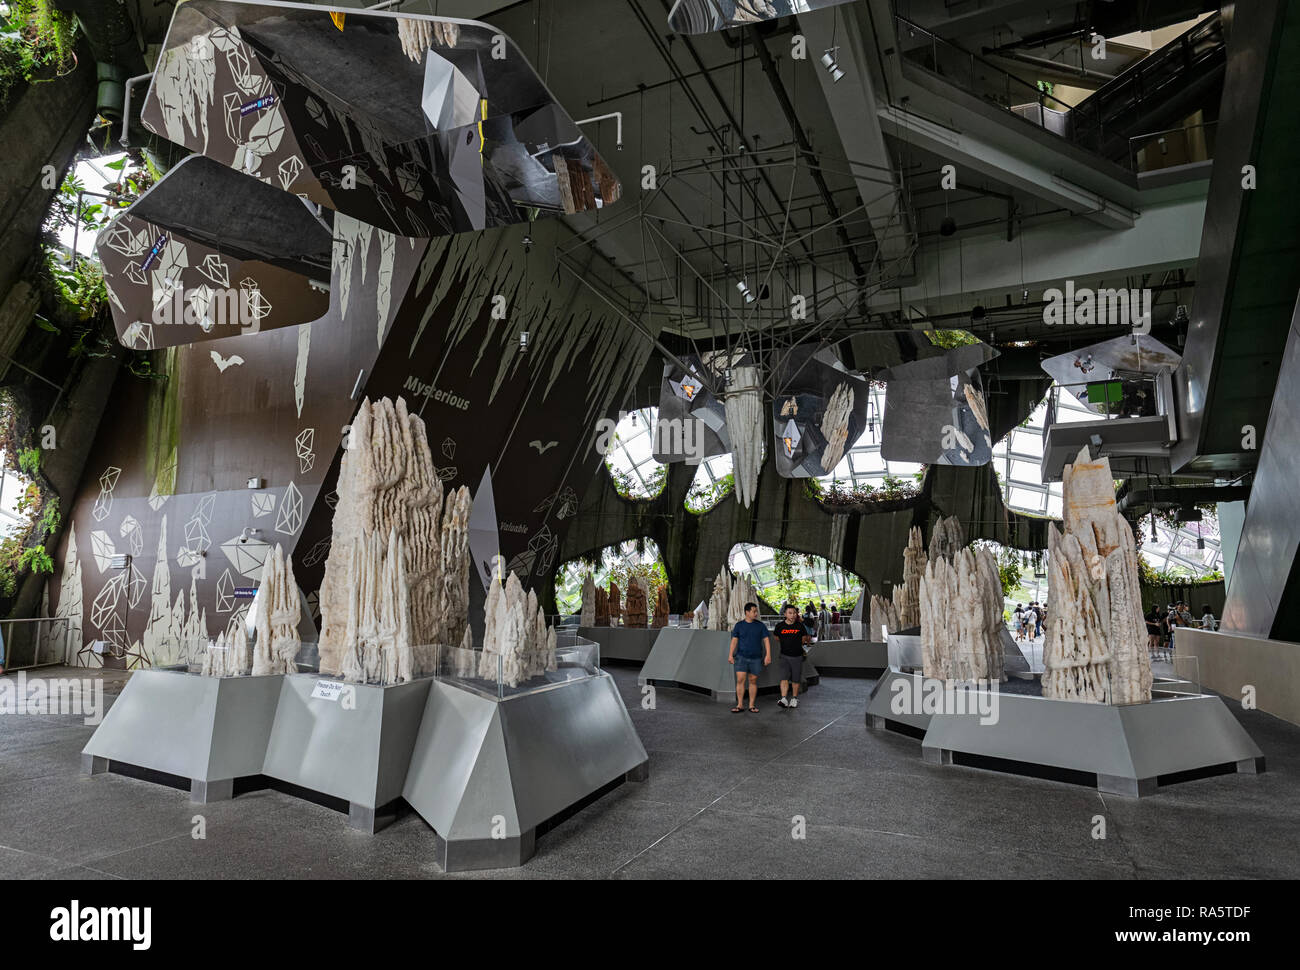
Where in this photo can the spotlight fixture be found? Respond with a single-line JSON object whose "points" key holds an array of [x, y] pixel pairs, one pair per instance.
{"points": [[832, 68], [634, 419], [523, 341], [948, 226], [1180, 315], [726, 377], [745, 291], [528, 244], [977, 313]]}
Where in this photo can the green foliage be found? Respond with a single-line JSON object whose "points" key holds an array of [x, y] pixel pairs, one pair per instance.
{"points": [[36, 559], [1009, 565], [35, 35], [891, 488], [703, 496], [948, 339], [29, 461], [51, 518], [8, 582]]}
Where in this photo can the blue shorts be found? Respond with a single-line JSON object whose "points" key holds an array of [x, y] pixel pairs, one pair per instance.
{"points": [[748, 665]]}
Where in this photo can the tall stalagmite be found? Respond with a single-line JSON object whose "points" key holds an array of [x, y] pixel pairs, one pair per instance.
{"points": [[387, 486], [662, 608], [517, 644], [637, 609], [276, 612], [720, 602], [588, 617], [743, 592], [906, 598], [602, 606], [961, 617], [615, 605], [1095, 648]]}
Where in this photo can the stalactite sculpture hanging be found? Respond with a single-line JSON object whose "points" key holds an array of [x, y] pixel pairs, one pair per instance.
{"points": [[835, 426], [744, 410]]}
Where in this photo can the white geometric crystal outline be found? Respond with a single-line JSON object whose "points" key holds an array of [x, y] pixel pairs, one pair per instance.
{"points": [[131, 531], [104, 503], [263, 504], [102, 548], [289, 171], [105, 603], [304, 444], [289, 519], [225, 592], [257, 305], [215, 269], [246, 557], [121, 240], [136, 584]]}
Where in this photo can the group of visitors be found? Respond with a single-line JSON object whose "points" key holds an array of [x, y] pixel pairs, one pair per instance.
{"points": [[827, 622], [751, 651], [1029, 620], [1161, 624]]}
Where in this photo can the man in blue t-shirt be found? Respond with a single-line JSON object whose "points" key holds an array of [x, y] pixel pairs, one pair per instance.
{"points": [[751, 651]]}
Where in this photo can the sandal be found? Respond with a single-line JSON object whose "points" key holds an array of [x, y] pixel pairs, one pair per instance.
{"points": [[753, 710], [737, 710]]}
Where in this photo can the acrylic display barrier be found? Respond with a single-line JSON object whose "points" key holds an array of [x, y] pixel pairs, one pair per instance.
{"points": [[190, 654], [489, 675]]}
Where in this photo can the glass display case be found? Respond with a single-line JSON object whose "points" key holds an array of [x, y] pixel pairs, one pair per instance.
{"points": [[493, 675]]}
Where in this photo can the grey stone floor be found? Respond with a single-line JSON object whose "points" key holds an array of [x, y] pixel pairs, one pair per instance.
{"points": [[723, 792]]}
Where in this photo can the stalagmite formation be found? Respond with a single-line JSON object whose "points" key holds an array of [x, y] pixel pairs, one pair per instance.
{"points": [[835, 426], [228, 655], [602, 606], [615, 605], [744, 411], [661, 608], [380, 648], [719, 602], [1095, 648], [276, 612], [588, 617], [906, 598], [883, 614], [961, 617], [517, 644], [636, 609], [388, 489], [743, 592], [947, 539]]}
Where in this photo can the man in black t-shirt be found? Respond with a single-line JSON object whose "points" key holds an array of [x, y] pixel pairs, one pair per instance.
{"points": [[792, 634]]}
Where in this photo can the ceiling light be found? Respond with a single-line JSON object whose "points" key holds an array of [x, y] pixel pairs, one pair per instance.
{"points": [[832, 68], [948, 226], [745, 291]]}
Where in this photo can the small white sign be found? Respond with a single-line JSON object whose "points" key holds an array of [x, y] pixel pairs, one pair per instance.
{"points": [[328, 690]]}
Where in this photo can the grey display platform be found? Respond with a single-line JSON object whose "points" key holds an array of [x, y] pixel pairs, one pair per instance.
{"points": [[211, 730], [849, 657], [698, 659], [353, 743], [1129, 749], [486, 773], [620, 642], [886, 706]]}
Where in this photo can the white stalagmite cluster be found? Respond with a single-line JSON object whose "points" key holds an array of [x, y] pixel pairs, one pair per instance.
{"points": [[835, 426], [743, 592], [276, 612], [229, 655], [744, 410], [907, 597], [515, 631], [719, 601], [588, 617], [1095, 648], [383, 620], [883, 615], [417, 36], [961, 617]]}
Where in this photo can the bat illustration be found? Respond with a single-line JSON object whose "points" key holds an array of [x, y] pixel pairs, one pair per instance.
{"points": [[224, 362], [542, 448]]}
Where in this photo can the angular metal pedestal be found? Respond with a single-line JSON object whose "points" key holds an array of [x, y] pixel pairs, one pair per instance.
{"points": [[486, 773], [892, 702], [851, 658], [211, 730], [621, 643], [1128, 748], [355, 747], [698, 658]]}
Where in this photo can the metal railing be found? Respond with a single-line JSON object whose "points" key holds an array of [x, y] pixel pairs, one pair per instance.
{"points": [[37, 642], [1095, 123], [1174, 146]]}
